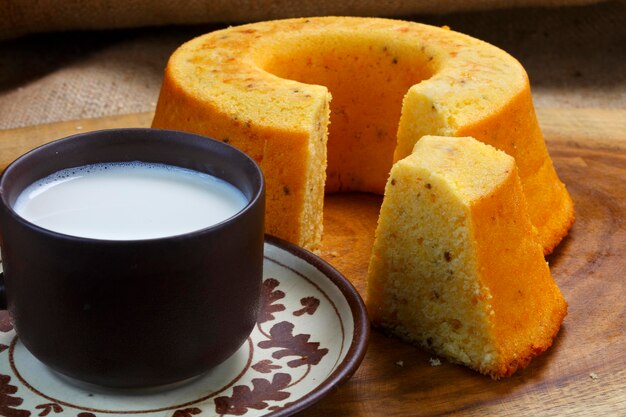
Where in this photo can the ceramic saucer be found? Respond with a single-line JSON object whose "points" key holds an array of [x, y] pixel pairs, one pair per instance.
{"points": [[311, 335]]}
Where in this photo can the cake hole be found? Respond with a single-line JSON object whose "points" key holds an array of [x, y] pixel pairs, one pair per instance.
{"points": [[367, 79]]}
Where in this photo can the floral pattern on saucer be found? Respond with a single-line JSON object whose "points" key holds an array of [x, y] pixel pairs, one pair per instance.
{"points": [[310, 335]]}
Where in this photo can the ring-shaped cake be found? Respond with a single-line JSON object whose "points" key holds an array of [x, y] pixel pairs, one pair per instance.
{"points": [[266, 89]]}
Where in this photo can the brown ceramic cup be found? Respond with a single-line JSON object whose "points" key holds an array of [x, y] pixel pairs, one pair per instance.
{"points": [[134, 313]]}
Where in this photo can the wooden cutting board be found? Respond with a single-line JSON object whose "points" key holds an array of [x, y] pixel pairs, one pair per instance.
{"points": [[584, 373]]}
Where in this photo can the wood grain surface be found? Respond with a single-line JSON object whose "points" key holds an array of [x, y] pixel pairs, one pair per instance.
{"points": [[584, 373]]}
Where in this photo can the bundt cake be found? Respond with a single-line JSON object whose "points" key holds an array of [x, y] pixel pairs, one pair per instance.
{"points": [[456, 267], [266, 89]]}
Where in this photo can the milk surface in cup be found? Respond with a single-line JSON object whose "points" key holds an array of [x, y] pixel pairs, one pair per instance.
{"points": [[128, 201]]}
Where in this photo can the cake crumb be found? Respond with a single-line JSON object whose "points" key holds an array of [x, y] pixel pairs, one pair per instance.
{"points": [[593, 376], [400, 363], [434, 362]]}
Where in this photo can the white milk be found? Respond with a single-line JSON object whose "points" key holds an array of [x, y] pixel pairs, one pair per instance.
{"points": [[128, 201]]}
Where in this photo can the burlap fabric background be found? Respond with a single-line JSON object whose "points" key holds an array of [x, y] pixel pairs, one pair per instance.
{"points": [[28, 16], [575, 56]]}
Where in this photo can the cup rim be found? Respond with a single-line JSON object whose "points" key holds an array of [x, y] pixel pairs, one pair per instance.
{"points": [[258, 194]]}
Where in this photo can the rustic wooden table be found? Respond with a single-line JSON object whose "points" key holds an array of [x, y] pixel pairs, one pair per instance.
{"points": [[584, 373]]}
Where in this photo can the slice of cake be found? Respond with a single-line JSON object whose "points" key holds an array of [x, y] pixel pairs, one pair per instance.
{"points": [[456, 266]]}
